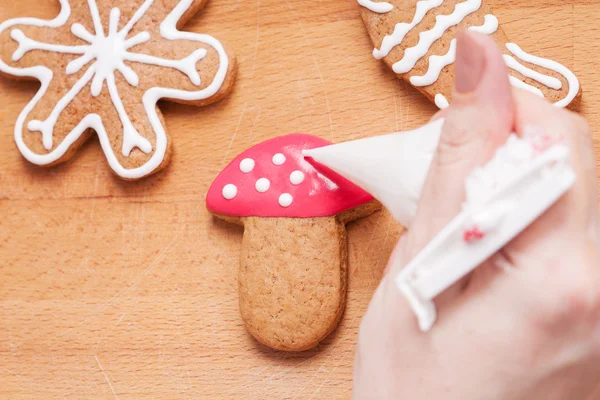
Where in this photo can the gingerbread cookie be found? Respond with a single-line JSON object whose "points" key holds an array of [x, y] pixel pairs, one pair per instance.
{"points": [[416, 40], [104, 68], [293, 266]]}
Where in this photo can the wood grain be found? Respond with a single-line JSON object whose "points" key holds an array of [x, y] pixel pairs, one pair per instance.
{"points": [[111, 289]]}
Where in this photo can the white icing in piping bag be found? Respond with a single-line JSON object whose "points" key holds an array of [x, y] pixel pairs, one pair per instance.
{"points": [[502, 198], [392, 168]]}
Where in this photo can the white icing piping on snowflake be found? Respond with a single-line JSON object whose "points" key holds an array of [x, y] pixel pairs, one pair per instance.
{"points": [[115, 48], [437, 63]]}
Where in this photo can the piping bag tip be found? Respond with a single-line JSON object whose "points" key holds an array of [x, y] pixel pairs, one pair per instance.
{"points": [[392, 168]]}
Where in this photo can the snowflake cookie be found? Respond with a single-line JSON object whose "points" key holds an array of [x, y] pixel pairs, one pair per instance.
{"points": [[104, 69]]}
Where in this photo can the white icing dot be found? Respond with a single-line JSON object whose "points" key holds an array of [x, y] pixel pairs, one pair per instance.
{"points": [[229, 191], [285, 200], [297, 177], [262, 185], [247, 165], [278, 159]]}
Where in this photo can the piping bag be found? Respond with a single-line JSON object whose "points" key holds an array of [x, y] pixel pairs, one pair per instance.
{"points": [[392, 168], [503, 198]]}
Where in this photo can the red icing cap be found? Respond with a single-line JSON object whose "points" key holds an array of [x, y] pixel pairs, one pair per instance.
{"points": [[273, 179]]}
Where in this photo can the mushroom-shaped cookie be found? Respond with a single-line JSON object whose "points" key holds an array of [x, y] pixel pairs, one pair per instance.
{"points": [[293, 267]]}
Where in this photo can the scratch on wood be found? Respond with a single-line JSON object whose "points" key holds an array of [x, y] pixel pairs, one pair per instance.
{"points": [[387, 234], [31, 383], [253, 125], [234, 135], [396, 111], [106, 377], [256, 41], [137, 280], [95, 192], [407, 107], [526, 28], [318, 70], [121, 318], [256, 382], [401, 118], [325, 92]]}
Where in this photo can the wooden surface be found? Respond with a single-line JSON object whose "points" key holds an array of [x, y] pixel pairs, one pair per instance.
{"points": [[129, 290]]}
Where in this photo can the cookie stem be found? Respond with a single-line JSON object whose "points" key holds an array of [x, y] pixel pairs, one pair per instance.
{"points": [[292, 281]]}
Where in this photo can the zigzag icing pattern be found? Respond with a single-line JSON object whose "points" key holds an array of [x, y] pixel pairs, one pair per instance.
{"points": [[437, 63]]}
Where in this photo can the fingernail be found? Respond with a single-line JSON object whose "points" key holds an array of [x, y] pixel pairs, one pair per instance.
{"points": [[395, 257], [470, 63]]}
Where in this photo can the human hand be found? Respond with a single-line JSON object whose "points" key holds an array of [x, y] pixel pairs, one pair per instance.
{"points": [[526, 323]]}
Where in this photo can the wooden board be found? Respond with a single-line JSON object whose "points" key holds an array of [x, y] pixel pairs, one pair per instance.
{"points": [[115, 289]]}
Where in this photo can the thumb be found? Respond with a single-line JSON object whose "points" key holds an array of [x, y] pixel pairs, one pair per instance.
{"points": [[479, 120]]}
